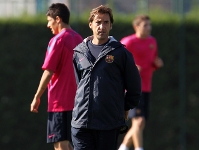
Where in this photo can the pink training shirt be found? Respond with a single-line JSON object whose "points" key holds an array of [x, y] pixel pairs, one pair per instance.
{"points": [[144, 52], [62, 86]]}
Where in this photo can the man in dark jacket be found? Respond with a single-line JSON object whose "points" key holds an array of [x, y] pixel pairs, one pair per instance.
{"points": [[104, 69]]}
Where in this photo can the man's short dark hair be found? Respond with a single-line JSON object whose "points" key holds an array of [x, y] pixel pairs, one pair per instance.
{"points": [[59, 9], [138, 19]]}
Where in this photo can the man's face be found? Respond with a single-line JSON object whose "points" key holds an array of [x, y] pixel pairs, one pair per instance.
{"points": [[144, 28], [101, 26], [53, 25]]}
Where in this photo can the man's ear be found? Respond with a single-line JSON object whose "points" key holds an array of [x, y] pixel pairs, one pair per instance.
{"points": [[58, 19], [90, 23], [135, 27], [111, 26]]}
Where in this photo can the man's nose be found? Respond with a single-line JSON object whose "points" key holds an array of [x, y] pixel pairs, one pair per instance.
{"points": [[102, 26]]}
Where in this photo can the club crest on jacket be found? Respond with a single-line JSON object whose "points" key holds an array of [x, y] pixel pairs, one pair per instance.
{"points": [[109, 58]]}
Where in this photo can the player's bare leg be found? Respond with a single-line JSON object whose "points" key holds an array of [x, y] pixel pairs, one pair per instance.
{"points": [[63, 145], [128, 141], [138, 124], [135, 135]]}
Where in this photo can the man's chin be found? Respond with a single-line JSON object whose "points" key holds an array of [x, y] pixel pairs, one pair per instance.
{"points": [[104, 37], [54, 33]]}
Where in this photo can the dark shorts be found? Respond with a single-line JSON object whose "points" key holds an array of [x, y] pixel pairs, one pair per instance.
{"points": [[59, 126], [88, 139], [142, 110]]}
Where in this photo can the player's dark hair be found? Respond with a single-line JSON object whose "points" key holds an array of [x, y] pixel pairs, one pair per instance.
{"points": [[101, 10], [138, 19], [59, 9]]}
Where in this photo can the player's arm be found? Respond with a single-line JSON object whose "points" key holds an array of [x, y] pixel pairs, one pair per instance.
{"points": [[47, 74], [157, 63]]}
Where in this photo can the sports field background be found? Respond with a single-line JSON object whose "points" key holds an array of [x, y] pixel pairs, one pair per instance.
{"points": [[173, 122]]}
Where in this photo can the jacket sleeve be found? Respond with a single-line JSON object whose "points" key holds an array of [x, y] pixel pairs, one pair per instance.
{"points": [[132, 81], [76, 71]]}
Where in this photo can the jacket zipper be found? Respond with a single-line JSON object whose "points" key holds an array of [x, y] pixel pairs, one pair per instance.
{"points": [[91, 88]]}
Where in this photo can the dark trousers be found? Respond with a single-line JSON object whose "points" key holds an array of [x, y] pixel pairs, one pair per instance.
{"points": [[88, 139]]}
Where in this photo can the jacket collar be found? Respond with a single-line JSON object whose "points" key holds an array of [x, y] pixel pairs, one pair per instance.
{"points": [[82, 47], [111, 39]]}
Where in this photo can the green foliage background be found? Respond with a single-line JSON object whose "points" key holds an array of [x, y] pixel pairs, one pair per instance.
{"points": [[23, 45]]}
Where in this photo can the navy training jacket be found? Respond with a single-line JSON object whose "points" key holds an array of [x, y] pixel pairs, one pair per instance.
{"points": [[100, 101]]}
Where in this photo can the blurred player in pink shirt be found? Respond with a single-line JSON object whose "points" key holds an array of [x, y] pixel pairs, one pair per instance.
{"points": [[59, 76], [144, 49]]}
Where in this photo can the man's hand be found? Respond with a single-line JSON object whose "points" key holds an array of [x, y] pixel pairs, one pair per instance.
{"points": [[47, 74], [139, 68], [126, 113], [35, 105], [158, 62]]}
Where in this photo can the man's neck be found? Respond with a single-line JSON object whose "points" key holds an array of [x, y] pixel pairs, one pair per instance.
{"points": [[64, 26], [99, 42], [138, 35]]}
